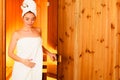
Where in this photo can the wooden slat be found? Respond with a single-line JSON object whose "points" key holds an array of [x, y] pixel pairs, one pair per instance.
{"points": [[2, 40], [117, 66]]}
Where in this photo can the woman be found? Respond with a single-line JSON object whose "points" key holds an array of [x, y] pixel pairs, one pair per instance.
{"points": [[27, 40]]}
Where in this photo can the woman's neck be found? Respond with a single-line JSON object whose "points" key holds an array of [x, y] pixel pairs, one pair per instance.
{"points": [[27, 28]]}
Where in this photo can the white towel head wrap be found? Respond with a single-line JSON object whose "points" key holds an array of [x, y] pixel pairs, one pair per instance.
{"points": [[28, 5]]}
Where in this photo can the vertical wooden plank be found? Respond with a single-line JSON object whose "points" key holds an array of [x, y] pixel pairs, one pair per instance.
{"points": [[76, 17], [1, 37], [66, 36], [4, 43], [52, 23], [2, 40], [86, 45], [1, 47], [112, 39], [117, 67]]}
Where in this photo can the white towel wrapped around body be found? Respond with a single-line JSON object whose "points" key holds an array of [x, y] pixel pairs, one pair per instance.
{"points": [[29, 48]]}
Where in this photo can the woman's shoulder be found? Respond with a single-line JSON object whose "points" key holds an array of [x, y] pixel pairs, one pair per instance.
{"points": [[16, 35], [37, 29], [17, 32]]}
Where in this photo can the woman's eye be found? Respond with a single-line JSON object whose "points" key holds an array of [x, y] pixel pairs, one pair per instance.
{"points": [[33, 19], [27, 19]]}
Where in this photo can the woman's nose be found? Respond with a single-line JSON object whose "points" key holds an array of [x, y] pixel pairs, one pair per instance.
{"points": [[30, 21]]}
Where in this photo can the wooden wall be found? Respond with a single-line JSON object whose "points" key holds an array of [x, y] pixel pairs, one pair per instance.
{"points": [[2, 40], [89, 39]]}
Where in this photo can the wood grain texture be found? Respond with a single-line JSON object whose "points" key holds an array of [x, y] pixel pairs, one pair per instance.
{"points": [[88, 39]]}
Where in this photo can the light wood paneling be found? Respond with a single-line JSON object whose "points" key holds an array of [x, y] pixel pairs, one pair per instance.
{"points": [[88, 40]]}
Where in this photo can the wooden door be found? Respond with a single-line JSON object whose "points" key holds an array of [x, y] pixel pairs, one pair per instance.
{"points": [[88, 39]]}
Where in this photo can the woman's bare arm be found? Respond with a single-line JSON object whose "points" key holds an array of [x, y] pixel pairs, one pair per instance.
{"points": [[52, 56], [12, 46]]}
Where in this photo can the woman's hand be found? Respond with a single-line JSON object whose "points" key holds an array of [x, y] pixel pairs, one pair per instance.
{"points": [[28, 63], [53, 56]]}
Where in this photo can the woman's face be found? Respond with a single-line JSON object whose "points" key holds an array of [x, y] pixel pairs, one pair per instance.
{"points": [[29, 19]]}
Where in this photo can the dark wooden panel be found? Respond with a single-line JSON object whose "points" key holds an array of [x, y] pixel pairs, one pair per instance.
{"points": [[52, 23]]}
